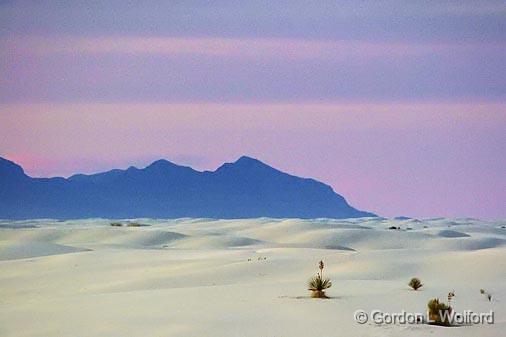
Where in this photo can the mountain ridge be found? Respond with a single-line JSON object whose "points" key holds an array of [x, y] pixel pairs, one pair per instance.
{"points": [[246, 188]]}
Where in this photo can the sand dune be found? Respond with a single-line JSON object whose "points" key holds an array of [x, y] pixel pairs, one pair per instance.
{"points": [[205, 277], [10, 251]]}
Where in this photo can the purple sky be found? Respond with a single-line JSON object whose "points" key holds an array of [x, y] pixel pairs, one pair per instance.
{"points": [[400, 106]]}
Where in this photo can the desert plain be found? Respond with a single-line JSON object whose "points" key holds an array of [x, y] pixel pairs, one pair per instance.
{"points": [[231, 278]]}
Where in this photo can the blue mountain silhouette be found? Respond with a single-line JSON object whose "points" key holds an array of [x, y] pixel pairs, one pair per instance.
{"points": [[246, 188]]}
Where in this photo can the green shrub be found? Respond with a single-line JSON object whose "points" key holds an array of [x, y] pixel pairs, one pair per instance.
{"points": [[415, 283], [317, 285], [136, 224], [439, 312]]}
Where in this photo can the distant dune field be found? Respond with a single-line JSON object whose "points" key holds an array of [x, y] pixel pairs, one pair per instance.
{"points": [[205, 277]]}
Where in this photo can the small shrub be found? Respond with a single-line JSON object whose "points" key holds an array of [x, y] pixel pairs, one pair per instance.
{"points": [[439, 312], [128, 224], [451, 295], [415, 283], [317, 284], [486, 294], [135, 224]]}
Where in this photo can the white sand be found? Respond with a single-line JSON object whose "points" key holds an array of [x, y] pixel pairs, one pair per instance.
{"points": [[193, 277]]}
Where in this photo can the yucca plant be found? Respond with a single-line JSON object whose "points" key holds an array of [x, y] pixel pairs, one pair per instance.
{"points": [[415, 283], [317, 284], [439, 312]]}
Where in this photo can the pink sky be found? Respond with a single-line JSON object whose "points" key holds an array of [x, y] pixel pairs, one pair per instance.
{"points": [[419, 159], [399, 105]]}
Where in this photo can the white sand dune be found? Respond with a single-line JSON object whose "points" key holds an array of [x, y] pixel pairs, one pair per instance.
{"points": [[205, 277], [16, 250], [446, 233]]}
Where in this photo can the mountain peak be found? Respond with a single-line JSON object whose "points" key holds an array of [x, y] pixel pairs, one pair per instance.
{"points": [[160, 164], [163, 166], [244, 163], [9, 168], [245, 160]]}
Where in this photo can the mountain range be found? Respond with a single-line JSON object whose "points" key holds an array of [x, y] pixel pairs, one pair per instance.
{"points": [[246, 188]]}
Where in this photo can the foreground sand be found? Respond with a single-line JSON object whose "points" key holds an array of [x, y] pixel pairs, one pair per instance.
{"points": [[198, 277]]}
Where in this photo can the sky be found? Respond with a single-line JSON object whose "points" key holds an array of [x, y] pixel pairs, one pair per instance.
{"points": [[400, 106]]}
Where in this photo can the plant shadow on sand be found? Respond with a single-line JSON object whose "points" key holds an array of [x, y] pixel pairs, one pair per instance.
{"points": [[312, 298]]}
